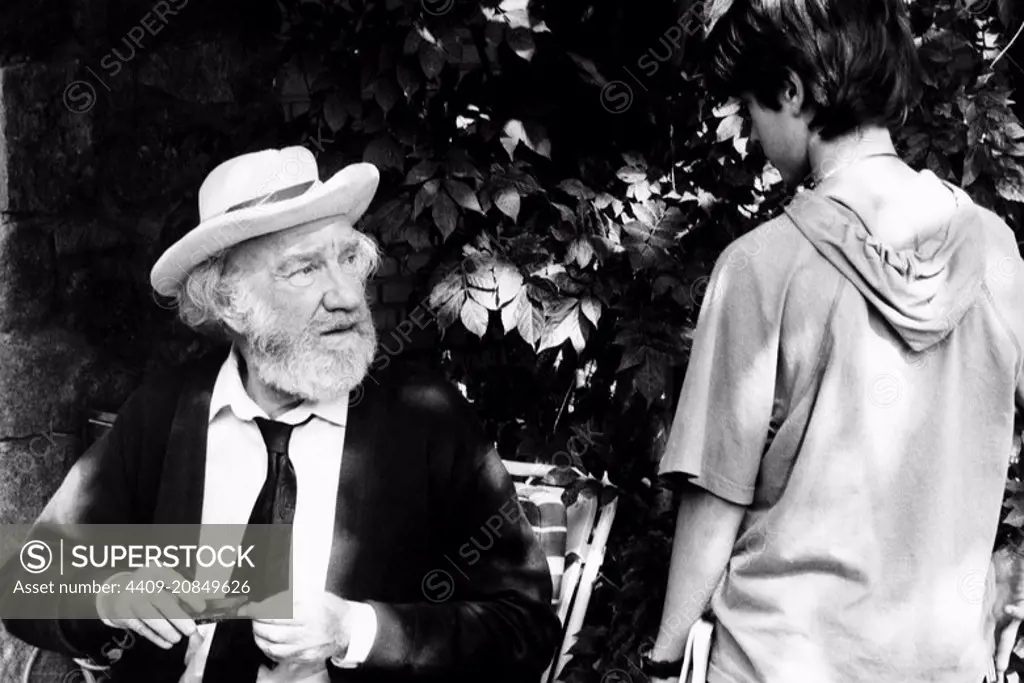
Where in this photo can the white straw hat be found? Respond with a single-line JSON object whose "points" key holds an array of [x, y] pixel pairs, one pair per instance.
{"points": [[259, 193]]}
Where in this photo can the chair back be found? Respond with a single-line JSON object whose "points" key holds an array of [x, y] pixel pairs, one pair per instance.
{"points": [[574, 538]]}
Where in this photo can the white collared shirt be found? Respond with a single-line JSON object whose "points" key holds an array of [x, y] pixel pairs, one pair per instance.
{"points": [[236, 467]]}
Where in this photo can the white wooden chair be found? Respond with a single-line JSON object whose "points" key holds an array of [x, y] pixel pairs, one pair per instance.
{"points": [[588, 524]]}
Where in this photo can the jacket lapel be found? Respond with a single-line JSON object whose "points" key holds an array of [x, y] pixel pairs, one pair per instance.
{"points": [[367, 402], [180, 499]]}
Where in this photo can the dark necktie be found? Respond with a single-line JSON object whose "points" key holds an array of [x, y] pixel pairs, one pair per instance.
{"points": [[234, 655], [276, 502]]}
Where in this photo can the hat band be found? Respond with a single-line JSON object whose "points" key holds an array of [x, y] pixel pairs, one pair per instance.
{"points": [[279, 196]]}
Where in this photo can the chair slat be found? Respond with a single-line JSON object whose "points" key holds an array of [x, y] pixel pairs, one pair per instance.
{"points": [[586, 525], [590, 569]]}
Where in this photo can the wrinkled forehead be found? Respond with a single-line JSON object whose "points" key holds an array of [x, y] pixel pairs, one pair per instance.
{"points": [[327, 236]]}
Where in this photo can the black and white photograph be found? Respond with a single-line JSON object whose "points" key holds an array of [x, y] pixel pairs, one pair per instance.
{"points": [[511, 341]]}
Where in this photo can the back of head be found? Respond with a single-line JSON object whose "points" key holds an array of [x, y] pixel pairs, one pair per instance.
{"points": [[856, 58]]}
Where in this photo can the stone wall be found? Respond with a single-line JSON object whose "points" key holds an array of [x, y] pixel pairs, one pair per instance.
{"points": [[85, 197], [111, 114]]}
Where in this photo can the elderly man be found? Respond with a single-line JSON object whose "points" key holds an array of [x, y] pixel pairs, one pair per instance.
{"points": [[381, 488]]}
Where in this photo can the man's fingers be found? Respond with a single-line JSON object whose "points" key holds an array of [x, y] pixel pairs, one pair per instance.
{"points": [[1016, 611], [281, 652], [289, 623], [273, 650], [159, 617], [275, 633], [272, 645], [164, 630], [140, 627], [153, 613], [184, 626], [171, 609]]}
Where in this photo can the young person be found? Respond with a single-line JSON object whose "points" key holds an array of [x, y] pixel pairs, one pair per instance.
{"points": [[845, 425]]}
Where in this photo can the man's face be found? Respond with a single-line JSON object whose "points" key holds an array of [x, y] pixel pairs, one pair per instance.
{"points": [[782, 135], [300, 309]]}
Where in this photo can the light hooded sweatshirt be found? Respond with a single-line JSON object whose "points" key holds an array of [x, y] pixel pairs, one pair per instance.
{"points": [[860, 400]]}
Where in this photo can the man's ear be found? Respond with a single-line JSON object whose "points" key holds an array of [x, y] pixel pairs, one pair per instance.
{"points": [[232, 321], [228, 318], [793, 96]]}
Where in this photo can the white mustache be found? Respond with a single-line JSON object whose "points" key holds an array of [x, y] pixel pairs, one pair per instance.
{"points": [[355, 324]]}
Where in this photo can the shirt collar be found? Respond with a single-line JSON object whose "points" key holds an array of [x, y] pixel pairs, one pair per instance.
{"points": [[229, 394]]}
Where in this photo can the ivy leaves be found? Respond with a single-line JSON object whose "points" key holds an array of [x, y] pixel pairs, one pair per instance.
{"points": [[456, 187], [967, 131], [515, 133], [384, 152], [553, 285], [482, 284], [995, 142]]}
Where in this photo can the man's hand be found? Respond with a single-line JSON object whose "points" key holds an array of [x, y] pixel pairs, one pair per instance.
{"points": [[1007, 603], [317, 631], [158, 616]]}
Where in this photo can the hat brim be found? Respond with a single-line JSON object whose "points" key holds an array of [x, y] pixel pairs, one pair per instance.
{"points": [[345, 196]]}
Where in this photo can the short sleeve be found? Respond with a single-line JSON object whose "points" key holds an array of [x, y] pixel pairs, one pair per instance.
{"points": [[724, 410]]}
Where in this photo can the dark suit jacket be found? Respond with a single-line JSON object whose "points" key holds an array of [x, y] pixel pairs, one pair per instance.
{"points": [[419, 482]]}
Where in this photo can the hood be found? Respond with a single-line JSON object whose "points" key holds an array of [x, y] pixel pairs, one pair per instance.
{"points": [[922, 292]]}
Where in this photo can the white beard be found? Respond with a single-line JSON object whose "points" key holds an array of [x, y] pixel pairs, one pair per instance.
{"points": [[307, 364]]}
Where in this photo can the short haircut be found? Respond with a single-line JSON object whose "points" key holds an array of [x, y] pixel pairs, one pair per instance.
{"points": [[856, 58]]}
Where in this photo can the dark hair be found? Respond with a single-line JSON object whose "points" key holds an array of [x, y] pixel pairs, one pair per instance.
{"points": [[856, 58]]}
